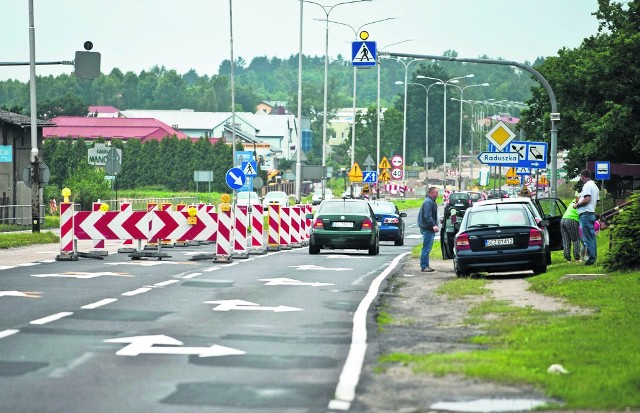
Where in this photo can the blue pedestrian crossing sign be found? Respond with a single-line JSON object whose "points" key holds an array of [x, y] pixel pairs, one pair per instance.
{"points": [[249, 168], [363, 54]]}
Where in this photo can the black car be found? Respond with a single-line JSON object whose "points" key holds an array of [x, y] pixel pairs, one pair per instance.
{"points": [[497, 193], [549, 210], [499, 238], [460, 199], [390, 220]]}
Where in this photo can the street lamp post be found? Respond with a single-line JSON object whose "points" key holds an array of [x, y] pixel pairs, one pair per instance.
{"points": [[355, 34], [327, 11], [378, 111], [460, 139], [444, 121], [426, 126], [475, 120], [404, 124]]}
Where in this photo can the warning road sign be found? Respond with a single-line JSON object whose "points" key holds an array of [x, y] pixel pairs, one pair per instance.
{"points": [[384, 175], [355, 174], [384, 163]]}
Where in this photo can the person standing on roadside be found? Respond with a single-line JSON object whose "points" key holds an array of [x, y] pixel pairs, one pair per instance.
{"points": [[569, 228], [586, 206], [428, 224]]}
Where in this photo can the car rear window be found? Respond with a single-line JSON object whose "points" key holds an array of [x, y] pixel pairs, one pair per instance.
{"points": [[343, 208], [383, 208], [459, 196], [501, 217]]}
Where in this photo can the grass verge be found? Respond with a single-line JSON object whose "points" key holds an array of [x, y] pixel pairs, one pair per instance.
{"points": [[22, 239], [601, 350]]}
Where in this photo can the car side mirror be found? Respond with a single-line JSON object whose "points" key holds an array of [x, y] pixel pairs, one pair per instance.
{"points": [[403, 214], [544, 223]]}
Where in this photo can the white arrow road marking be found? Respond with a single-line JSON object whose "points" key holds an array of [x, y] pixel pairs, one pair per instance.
{"points": [[317, 267], [290, 281], [26, 294], [145, 345], [82, 275], [226, 305]]}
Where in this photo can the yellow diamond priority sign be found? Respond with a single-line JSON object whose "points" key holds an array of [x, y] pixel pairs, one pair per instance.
{"points": [[500, 136]]}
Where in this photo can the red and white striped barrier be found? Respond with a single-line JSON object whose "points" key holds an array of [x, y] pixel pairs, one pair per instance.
{"points": [[181, 242], [285, 228], [127, 245], [240, 231], [223, 237], [151, 243], [166, 242], [273, 231], [307, 221], [98, 244], [296, 241], [257, 229], [67, 251]]}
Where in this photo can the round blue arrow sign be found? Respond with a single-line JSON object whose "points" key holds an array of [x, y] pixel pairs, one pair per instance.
{"points": [[235, 178]]}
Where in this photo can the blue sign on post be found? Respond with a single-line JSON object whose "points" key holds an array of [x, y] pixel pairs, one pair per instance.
{"points": [[369, 176], [363, 54], [235, 178], [602, 170], [6, 153], [530, 154]]}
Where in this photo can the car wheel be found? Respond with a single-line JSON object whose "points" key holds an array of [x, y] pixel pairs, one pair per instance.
{"points": [[540, 269], [399, 241], [548, 257], [313, 249], [459, 273]]}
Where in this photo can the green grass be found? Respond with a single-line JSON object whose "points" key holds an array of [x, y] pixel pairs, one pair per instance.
{"points": [[12, 240], [600, 350]]}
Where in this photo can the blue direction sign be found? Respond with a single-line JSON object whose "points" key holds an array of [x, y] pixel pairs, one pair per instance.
{"points": [[363, 53], [235, 178], [498, 158], [530, 154], [602, 170], [369, 176]]}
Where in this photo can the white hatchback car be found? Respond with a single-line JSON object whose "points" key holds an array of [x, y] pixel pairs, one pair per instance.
{"points": [[317, 196], [247, 198], [276, 198]]}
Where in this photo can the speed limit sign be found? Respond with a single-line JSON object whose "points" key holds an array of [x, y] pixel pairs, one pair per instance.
{"points": [[396, 173]]}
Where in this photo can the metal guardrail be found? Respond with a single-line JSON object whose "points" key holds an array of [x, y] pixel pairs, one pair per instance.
{"points": [[17, 217]]}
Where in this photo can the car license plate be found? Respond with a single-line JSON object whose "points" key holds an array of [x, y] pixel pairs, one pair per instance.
{"points": [[498, 242], [342, 224]]}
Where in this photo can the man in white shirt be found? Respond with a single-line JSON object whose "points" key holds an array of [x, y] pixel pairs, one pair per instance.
{"points": [[586, 206]]}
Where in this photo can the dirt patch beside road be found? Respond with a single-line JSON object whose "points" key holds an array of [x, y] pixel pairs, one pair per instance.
{"points": [[426, 322]]}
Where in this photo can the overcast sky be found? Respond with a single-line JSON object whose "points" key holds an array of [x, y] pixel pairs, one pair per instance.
{"points": [[134, 35]]}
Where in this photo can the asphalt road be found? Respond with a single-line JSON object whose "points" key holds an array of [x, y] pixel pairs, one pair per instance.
{"points": [[280, 332]]}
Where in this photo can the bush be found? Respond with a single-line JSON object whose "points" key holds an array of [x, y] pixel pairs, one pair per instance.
{"points": [[625, 249]]}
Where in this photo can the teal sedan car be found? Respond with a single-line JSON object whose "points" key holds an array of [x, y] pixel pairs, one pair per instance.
{"points": [[344, 224]]}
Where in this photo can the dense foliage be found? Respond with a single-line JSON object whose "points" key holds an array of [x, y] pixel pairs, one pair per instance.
{"points": [[169, 163], [625, 248], [597, 87]]}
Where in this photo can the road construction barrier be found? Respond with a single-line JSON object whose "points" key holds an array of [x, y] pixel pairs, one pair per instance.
{"points": [[240, 231], [273, 230], [166, 242], [257, 229], [285, 228], [181, 242], [296, 242], [223, 235], [127, 245], [98, 244], [67, 251], [151, 243]]}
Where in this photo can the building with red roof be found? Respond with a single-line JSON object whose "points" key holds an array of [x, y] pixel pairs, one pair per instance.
{"points": [[91, 128]]}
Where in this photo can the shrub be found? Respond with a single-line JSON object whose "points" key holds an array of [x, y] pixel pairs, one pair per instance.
{"points": [[625, 249]]}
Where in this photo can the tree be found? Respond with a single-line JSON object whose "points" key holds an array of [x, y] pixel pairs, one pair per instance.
{"points": [[68, 105], [597, 87]]}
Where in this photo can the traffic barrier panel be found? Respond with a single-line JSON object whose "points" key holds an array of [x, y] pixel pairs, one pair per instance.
{"points": [[285, 228], [273, 231], [127, 245], [151, 243], [166, 242], [98, 244], [257, 229], [296, 242], [223, 234], [183, 242], [240, 230], [67, 251]]}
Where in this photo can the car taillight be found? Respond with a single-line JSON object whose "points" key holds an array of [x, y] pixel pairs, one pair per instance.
{"points": [[367, 224], [462, 242], [318, 223], [535, 237], [469, 201], [391, 220]]}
